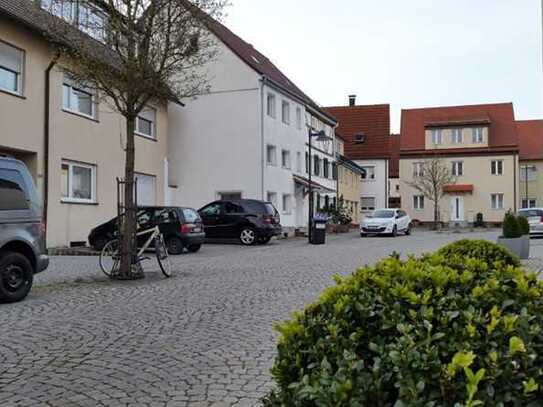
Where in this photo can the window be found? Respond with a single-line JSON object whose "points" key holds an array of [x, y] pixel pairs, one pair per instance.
{"points": [[11, 68], [78, 100], [285, 112], [496, 201], [78, 182], [12, 189], [316, 165], [418, 169], [367, 203], [477, 135], [271, 105], [326, 168], [496, 167], [146, 188], [334, 171], [287, 203], [457, 168], [418, 202], [145, 123], [92, 22], [299, 118], [528, 173], [64, 9], [307, 163], [528, 203], [368, 173], [457, 136], [437, 136], [285, 159], [271, 155], [213, 209], [272, 197], [190, 215], [299, 162]]}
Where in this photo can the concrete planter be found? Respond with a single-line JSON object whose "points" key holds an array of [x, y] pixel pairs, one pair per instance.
{"points": [[519, 246]]}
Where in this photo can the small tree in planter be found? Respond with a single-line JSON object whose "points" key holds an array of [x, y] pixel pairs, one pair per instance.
{"points": [[524, 226], [340, 218], [512, 236]]}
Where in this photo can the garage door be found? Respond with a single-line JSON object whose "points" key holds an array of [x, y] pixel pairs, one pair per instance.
{"points": [[146, 190]]}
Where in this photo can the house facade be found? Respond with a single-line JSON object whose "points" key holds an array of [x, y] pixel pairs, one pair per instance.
{"points": [[366, 133], [478, 144], [348, 182], [70, 139], [248, 137], [395, 197], [530, 135]]}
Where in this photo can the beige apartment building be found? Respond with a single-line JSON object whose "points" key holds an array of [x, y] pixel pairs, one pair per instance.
{"points": [[71, 139], [479, 144], [530, 134], [348, 182]]}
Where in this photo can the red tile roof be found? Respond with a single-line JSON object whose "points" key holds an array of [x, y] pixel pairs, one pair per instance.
{"points": [[394, 163], [530, 139], [502, 133], [371, 120], [458, 188], [260, 63]]}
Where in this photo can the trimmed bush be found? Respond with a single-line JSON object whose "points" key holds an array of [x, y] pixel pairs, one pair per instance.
{"points": [[511, 228], [417, 333], [524, 225], [479, 249]]}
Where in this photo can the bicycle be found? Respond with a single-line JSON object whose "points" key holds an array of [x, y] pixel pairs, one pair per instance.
{"points": [[110, 256]]}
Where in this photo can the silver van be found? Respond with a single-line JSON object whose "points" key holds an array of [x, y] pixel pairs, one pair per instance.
{"points": [[22, 232]]}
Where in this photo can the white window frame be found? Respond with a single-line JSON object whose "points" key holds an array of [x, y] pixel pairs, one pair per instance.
{"points": [[317, 165], [271, 105], [286, 204], [497, 201], [418, 202], [299, 118], [285, 112], [49, 5], [273, 161], [19, 74], [494, 167], [457, 136], [370, 173], [286, 159], [437, 137], [69, 104], [99, 34], [299, 162], [418, 169], [477, 135], [153, 135], [532, 173], [271, 196], [528, 203], [367, 207], [458, 168], [70, 198]]}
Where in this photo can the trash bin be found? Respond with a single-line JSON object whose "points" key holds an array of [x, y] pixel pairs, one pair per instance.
{"points": [[318, 231]]}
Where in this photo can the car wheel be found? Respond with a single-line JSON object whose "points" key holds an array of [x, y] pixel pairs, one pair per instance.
{"points": [[99, 243], [16, 276], [408, 230], [247, 236], [264, 240], [175, 245], [395, 231], [194, 248]]}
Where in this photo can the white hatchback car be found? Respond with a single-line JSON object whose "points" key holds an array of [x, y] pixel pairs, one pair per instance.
{"points": [[535, 219], [386, 221]]}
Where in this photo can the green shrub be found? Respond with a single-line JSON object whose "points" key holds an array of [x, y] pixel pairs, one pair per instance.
{"points": [[479, 249], [511, 228], [416, 333], [524, 225]]}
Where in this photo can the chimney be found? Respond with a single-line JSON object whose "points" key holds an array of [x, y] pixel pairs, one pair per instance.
{"points": [[352, 100]]}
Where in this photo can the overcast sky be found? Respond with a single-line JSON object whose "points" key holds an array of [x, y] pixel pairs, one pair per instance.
{"points": [[412, 53]]}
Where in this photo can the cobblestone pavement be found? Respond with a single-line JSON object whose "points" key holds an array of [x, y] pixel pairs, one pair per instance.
{"points": [[202, 338]]}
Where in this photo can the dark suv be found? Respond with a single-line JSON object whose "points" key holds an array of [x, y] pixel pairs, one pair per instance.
{"points": [[249, 220], [181, 227], [22, 232]]}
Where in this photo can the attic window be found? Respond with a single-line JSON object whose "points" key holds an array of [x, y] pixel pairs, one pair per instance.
{"points": [[360, 138], [255, 59]]}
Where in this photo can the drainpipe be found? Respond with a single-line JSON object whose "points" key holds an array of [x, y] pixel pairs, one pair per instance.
{"points": [[515, 182], [262, 145], [46, 137]]}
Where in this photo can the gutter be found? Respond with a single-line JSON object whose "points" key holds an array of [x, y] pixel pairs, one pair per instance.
{"points": [[262, 143], [46, 140]]}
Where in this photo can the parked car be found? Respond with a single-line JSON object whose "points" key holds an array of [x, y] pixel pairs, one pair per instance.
{"points": [[182, 228], [535, 219], [22, 231], [249, 220], [386, 221]]}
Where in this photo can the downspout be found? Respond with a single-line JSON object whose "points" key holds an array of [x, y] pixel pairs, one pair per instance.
{"points": [[262, 144], [46, 137], [515, 182]]}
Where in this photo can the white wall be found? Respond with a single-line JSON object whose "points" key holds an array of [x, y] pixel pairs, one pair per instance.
{"points": [[377, 187]]}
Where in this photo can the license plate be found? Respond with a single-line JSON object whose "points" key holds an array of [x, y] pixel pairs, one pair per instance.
{"points": [[197, 230]]}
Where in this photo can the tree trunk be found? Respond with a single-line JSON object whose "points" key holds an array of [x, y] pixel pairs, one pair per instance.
{"points": [[436, 214], [129, 223]]}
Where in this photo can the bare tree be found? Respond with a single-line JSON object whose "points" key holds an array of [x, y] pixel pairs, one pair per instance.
{"points": [[133, 52], [430, 179]]}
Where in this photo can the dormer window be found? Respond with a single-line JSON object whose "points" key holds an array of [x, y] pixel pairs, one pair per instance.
{"points": [[64, 9], [437, 137], [477, 135]]}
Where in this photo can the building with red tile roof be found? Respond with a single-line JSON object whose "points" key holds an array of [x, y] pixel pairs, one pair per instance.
{"points": [[530, 137], [478, 144]]}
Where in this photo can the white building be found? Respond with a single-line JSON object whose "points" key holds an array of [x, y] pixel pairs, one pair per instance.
{"points": [[247, 137]]}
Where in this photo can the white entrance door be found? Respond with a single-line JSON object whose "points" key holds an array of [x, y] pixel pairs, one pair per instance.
{"points": [[457, 209], [146, 190], [301, 221]]}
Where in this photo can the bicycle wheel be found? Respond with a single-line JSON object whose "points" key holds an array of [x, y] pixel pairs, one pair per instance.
{"points": [[110, 258], [162, 256]]}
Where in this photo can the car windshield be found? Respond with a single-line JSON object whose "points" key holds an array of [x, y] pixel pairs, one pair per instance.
{"points": [[383, 214]]}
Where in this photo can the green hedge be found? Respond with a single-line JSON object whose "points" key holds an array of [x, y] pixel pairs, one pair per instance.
{"points": [[524, 225], [478, 249], [424, 332]]}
